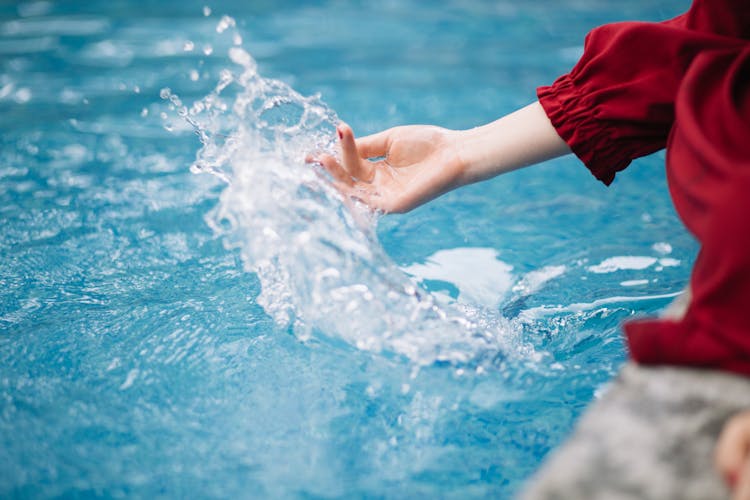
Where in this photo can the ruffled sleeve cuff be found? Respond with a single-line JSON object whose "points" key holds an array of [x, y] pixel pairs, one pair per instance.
{"points": [[617, 103], [576, 125]]}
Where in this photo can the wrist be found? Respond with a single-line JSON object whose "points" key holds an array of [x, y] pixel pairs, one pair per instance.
{"points": [[522, 138], [474, 153]]}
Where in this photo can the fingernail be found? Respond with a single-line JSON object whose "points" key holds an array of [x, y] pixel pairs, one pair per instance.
{"points": [[341, 134]]}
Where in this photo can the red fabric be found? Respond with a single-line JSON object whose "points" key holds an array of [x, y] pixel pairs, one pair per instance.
{"points": [[685, 85]]}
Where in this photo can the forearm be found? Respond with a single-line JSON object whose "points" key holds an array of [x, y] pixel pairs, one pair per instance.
{"points": [[520, 139]]}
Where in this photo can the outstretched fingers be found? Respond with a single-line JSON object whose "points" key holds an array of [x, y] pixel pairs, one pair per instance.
{"points": [[353, 174], [375, 145], [346, 184], [353, 161], [337, 171]]}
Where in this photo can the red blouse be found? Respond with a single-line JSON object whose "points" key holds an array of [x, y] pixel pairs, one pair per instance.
{"points": [[683, 84]]}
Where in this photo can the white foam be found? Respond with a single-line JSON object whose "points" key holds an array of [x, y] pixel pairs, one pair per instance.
{"points": [[669, 262], [535, 313], [620, 263], [479, 275], [633, 282], [662, 247], [535, 280], [129, 379]]}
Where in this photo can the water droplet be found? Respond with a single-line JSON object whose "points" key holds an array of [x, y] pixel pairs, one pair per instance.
{"points": [[208, 50], [194, 75], [22, 95], [144, 112], [5, 90], [225, 78], [206, 10], [197, 107], [237, 39], [241, 57], [188, 46], [225, 23], [137, 89], [132, 375], [662, 247]]}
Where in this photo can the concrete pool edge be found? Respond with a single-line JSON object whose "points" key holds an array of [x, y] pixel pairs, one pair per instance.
{"points": [[651, 435]]}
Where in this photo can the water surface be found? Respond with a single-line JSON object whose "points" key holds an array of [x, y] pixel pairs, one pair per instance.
{"points": [[166, 332]]}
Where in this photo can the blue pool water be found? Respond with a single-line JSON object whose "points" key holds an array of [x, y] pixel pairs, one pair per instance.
{"points": [[169, 332]]}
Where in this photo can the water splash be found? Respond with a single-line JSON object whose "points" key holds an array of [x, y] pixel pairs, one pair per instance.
{"points": [[321, 267]]}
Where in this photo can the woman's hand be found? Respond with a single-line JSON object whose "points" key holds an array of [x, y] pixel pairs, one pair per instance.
{"points": [[397, 169], [403, 167], [732, 457]]}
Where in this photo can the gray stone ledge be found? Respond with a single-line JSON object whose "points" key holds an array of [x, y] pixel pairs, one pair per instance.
{"points": [[650, 436]]}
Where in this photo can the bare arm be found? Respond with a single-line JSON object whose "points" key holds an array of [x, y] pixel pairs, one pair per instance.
{"points": [[422, 162], [522, 138]]}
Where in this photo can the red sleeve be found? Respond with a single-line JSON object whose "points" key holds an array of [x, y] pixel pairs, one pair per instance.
{"points": [[708, 166], [683, 84], [617, 103]]}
